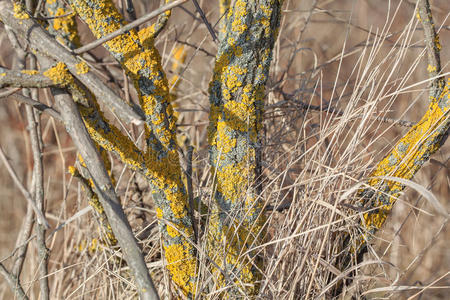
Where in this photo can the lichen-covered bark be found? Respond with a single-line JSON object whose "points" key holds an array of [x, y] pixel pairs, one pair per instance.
{"points": [[108, 235], [236, 107], [407, 157], [138, 56], [416, 146], [64, 29], [101, 180], [163, 18], [224, 5]]}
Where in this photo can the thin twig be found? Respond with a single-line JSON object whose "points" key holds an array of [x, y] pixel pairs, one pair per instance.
{"points": [[38, 171], [190, 191], [23, 190], [130, 9], [205, 20], [13, 283], [44, 18], [195, 47], [431, 38], [22, 79], [22, 241], [128, 27], [36, 104], [338, 112], [9, 92]]}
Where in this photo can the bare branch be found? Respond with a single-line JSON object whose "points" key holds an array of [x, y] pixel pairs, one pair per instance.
{"points": [[37, 105], [38, 171], [13, 283], [22, 241], [205, 20], [8, 92], [23, 190], [431, 38], [24, 79]]}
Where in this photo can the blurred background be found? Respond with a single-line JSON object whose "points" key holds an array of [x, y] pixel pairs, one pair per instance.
{"points": [[365, 58]]}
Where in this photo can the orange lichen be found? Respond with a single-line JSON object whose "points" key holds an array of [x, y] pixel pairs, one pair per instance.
{"points": [[62, 24], [181, 264]]}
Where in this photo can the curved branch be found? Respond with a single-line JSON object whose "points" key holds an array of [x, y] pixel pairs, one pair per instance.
{"points": [[37, 105], [409, 154], [417, 145]]}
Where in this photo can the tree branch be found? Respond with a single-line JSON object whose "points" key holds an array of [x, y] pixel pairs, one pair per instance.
{"points": [[129, 26], [37, 105], [24, 79], [107, 196], [409, 154], [25, 193], [13, 282], [138, 56], [43, 252], [40, 40], [234, 134]]}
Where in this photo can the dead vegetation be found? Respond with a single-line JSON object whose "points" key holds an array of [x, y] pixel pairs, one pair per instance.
{"points": [[344, 74]]}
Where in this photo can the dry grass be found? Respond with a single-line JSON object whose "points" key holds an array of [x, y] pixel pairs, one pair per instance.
{"points": [[365, 58]]}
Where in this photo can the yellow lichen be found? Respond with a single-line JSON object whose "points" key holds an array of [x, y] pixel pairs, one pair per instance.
{"points": [[240, 11], [94, 245], [224, 142], [138, 56], [406, 158], [30, 72], [431, 68], [236, 97], [20, 11], [59, 74], [181, 266], [82, 68], [437, 44], [73, 171]]}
